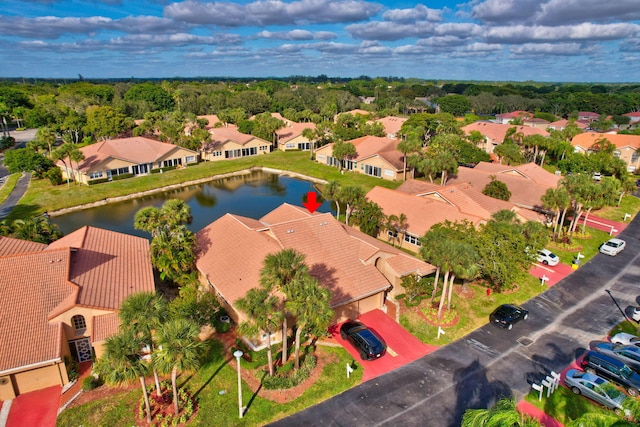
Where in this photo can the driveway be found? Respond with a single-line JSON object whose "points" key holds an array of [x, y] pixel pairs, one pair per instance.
{"points": [[552, 274], [402, 347], [37, 408]]}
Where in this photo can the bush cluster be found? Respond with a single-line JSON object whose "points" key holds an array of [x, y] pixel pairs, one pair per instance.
{"points": [[286, 378], [91, 383]]}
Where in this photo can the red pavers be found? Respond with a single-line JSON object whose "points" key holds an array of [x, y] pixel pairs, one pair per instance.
{"points": [[402, 347], [611, 227], [525, 407], [37, 408], [553, 274]]}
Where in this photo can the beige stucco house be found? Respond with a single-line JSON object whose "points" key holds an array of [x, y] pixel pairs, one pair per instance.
{"points": [[376, 156], [495, 133], [627, 146], [125, 157], [61, 300], [229, 143], [290, 137], [362, 272]]}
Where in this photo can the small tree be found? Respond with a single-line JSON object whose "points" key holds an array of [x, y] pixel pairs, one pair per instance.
{"points": [[497, 189]]}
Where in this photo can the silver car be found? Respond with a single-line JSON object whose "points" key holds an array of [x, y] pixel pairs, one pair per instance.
{"points": [[625, 339], [597, 389]]}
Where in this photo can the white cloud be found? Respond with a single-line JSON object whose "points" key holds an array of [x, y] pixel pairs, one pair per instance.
{"points": [[418, 13], [550, 49], [296, 35], [582, 32], [505, 11], [385, 30], [271, 12], [555, 12]]}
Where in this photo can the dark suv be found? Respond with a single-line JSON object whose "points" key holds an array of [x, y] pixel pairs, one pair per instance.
{"points": [[612, 369], [368, 343]]}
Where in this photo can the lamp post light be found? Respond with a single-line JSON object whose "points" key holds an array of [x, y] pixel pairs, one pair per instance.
{"points": [[617, 305], [238, 354]]}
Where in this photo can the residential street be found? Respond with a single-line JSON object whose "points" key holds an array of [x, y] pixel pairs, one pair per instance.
{"points": [[476, 370]]}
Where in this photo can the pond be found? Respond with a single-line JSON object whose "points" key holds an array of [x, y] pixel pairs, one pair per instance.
{"points": [[252, 195]]}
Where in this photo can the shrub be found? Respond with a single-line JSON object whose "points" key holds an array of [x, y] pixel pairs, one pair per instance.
{"points": [[288, 378], [91, 383], [73, 371], [54, 175]]}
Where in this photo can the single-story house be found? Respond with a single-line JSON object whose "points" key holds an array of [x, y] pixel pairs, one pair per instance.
{"points": [[527, 183], [360, 271], [391, 125], [376, 156], [494, 133], [125, 157], [588, 116], [230, 143], [563, 123], [290, 136], [62, 300], [535, 122], [633, 116], [627, 146], [426, 204]]}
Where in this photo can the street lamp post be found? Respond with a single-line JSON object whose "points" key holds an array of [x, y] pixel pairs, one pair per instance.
{"points": [[238, 354], [617, 305]]}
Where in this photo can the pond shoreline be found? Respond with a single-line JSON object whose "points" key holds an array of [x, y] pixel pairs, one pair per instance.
{"points": [[109, 200]]}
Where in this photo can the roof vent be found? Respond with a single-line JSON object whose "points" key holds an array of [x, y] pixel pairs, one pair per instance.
{"points": [[290, 231]]}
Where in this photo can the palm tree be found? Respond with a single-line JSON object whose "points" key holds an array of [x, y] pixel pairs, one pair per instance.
{"points": [[311, 304], [389, 225], [179, 349], [263, 314], [503, 413], [173, 252], [351, 196], [401, 227], [121, 364], [278, 273], [465, 266], [141, 314], [331, 192]]}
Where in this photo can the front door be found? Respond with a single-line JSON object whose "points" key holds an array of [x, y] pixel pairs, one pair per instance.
{"points": [[81, 349]]}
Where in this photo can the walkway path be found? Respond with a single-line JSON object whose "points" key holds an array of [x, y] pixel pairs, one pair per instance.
{"points": [[16, 195], [611, 227]]}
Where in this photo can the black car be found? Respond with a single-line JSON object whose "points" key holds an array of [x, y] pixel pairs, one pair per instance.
{"points": [[629, 354], [368, 343], [508, 314], [612, 369]]}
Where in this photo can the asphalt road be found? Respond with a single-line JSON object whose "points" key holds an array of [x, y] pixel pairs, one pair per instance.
{"points": [[489, 363]]}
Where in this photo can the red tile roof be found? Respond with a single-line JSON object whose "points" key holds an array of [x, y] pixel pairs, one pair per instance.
{"points": [[497, 131], [221, 136], [335, 254], [11, 246], [136, 149], [292, 130], [369, 146], [90, 267], [392, 124], [587, 139], [104, 326]]}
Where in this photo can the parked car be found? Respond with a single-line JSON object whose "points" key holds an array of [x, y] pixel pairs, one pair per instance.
{"points": [[367, 342], [636, 314], [625, 339], [629, 354], [507, 315], [595, 388], [597, 176], [612, 247], [547, 257], [612, 369]]}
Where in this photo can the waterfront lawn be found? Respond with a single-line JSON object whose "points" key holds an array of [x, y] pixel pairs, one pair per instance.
{"points": [[42, 196], [214, 385]]}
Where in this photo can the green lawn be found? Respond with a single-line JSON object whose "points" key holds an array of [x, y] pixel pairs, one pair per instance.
{"points": [[629, 205], [215, 387], [8, 186]]}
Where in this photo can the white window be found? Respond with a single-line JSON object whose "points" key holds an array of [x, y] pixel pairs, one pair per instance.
{"points": [[321, 157], [263, 148], [190, 159], [388, 172], [290, 146], [216, 153], [393, 234], [412, 239], [373, 170], [94, 175]]}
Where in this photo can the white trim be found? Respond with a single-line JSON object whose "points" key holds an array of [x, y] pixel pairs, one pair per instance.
{"points": [[32, 366]]}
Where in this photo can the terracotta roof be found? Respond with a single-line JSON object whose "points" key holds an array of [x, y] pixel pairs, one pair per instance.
{"points": [[562, 123], [368, 146], [11, 246], [526, 187], [497, 131], [31, 286], [392, 124], [108, 266], [587, 139], [514, 115], [588, 114], [221, 136], [292, 130], [212, 119], [136, 149], [336, 254], [633, 114], [104, 326], [90, 267], [285, 212]]}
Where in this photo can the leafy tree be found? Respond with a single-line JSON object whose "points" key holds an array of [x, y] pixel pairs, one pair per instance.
{"points": [[121, 364], [458, 105], [263, 314], [497, 189], [106, 122], [265, 126], [194, 303], [331, 192], [412, 144], [37, 229], [179, 349], [47, 137], [26, 160], [352, 197], [369, 217], [509, 153], [559, 201], [154, 97], [311, 304], [343, 151]]}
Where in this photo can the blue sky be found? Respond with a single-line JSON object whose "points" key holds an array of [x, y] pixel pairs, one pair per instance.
{"points": [[539, 40]]}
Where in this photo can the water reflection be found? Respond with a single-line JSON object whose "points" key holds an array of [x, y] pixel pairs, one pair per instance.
{"points": [[251, 195]]}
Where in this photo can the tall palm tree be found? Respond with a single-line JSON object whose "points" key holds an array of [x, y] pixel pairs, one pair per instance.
{"points": [[141, 314], [277, 274], [263, 314], [311, 304], [504, 413], [121, 364], [331, 192], [179, 349], [173, 252], [351, 196], [401, 228]]}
